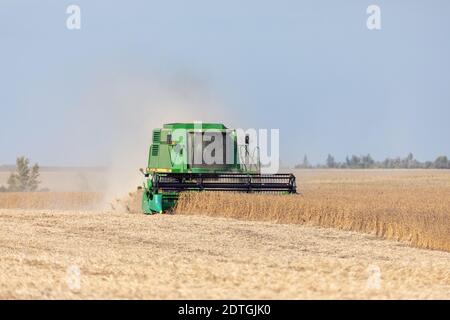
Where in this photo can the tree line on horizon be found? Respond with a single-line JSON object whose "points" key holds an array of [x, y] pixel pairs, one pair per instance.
{"points": [[367, 162]]}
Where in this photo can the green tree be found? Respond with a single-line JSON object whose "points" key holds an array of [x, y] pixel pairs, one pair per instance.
{"points": [[305, 164], [355, 162], [331, 163], [441, 162], [347, 162], [367, 161], [25, 178], [33, 182]]}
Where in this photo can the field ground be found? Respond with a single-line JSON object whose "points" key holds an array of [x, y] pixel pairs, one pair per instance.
{"points": [[135, 256], [407, 205], [62, 245]]}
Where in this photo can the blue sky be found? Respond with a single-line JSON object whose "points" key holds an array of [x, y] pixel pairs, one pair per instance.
{"points": [[310, 68]]}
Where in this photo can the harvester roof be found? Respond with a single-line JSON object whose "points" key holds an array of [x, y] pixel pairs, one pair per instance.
{"points": [[194, 125]]}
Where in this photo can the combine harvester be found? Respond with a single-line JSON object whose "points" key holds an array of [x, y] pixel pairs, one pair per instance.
{"points": [[176, 163]]}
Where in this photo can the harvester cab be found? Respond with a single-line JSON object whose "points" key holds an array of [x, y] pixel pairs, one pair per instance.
{"points": [[203, 157]]}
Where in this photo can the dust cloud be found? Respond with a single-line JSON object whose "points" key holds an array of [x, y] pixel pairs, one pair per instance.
{"points": [[122, 112]]}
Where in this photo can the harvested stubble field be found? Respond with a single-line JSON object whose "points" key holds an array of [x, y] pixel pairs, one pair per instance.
{"points": [[77, 253]]}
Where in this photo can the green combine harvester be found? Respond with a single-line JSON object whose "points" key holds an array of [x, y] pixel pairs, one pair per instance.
{"points": [[176, 163]]}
